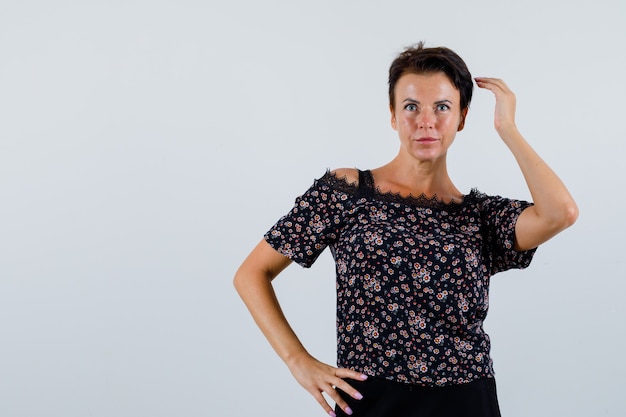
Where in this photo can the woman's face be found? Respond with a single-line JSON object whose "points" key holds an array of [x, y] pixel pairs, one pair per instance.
{"points": [[427, 114]]}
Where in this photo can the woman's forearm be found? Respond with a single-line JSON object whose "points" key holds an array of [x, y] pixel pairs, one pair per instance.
{"points": [[554, 208], [253, 282], [552, 199]]}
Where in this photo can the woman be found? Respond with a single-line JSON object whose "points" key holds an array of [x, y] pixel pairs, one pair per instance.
{"points": [[413, 255]]}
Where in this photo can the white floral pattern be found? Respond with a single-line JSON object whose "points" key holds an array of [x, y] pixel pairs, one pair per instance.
{"points": [[412, 275]]}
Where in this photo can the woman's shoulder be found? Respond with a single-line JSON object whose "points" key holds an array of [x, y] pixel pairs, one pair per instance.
{"points": [[348, 175], [342, 180]]}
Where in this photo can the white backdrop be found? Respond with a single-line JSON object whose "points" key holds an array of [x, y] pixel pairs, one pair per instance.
{"points": [[146, 146]]}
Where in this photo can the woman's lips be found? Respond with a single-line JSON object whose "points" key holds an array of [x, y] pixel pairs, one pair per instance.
{"points": [[426, 140]]}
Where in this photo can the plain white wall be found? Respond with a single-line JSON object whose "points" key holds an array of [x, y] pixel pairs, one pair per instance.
{"points": [[146, 146]]}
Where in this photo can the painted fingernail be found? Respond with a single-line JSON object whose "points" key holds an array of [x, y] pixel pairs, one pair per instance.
{"points": [[358, 396], [348, 411], [332, 414], [363, 377]]}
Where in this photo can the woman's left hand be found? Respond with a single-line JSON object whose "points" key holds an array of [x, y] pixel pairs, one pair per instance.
{"points": [[505, 102], [554, 208]]}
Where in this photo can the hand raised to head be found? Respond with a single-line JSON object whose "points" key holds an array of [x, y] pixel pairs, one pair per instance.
{"points": [[505, 102]]}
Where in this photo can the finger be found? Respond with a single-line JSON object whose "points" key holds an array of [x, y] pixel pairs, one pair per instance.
{"points": [[345, 386], [492, 84], [487, 83], [322, 401], [490, 80], [350, 374], [328, 388], [488, 86], [336, 396], [349, 389], [342, 387]]}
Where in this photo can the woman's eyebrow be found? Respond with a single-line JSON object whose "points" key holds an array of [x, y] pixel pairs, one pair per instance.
{"points": [[412, 100]]}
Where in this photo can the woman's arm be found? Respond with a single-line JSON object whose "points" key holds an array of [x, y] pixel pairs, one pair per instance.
{"points": [[554, 208], [253, 282]]}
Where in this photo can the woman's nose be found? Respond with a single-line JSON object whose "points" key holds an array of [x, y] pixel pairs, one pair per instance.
{"points": [[426, 119]]}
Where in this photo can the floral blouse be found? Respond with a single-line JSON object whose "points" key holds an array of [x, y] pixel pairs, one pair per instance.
{"points": [[412, 274]]}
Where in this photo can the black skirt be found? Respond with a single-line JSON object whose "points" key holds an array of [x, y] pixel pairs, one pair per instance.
{"points": [[383, 398]]}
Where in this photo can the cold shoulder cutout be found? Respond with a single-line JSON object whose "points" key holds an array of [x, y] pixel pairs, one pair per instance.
{"points": [[349, 175]]}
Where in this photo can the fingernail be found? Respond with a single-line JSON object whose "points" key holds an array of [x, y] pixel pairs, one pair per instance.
{"points": [[363, 377], [348, 411], [358, 396], [332, 414]]}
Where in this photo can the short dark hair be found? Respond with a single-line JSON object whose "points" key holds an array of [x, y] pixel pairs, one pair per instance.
{"points": [[417, 59]]}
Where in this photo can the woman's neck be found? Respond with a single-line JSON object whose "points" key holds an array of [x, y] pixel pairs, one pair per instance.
{"points": [[429, 178]]}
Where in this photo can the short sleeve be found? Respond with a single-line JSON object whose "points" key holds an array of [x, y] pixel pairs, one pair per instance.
{"points": [[312, 224], [500, 217]]}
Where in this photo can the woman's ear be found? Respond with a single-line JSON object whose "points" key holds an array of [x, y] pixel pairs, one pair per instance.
{"points": [[393, 117], [462, 121]]}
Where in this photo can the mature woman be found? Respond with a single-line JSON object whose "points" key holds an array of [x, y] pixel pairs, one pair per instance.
{"points": [[413, 255]]}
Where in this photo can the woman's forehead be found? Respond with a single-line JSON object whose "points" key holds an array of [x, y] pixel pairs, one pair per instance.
{"points": [[437, 84]]}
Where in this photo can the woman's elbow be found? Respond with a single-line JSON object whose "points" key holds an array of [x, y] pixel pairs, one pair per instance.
{"points": [[557, 218], [237, 281], [243, 280], [570, 214], [249, 277], [561, 219]]}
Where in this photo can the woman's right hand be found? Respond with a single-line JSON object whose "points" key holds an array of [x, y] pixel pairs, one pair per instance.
{"points": [[319, 378], [253, 281]]}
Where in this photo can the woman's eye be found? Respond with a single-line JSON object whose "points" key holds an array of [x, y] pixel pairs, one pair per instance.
{"points": [[442, 107], [410, 107]]}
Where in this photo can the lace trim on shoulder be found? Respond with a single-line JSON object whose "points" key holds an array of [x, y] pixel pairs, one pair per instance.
{"points": [[368, 189], [339, 183]]}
